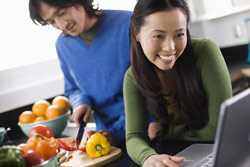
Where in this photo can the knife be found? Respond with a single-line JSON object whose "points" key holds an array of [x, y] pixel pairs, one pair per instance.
{"points": [[80, 133]]}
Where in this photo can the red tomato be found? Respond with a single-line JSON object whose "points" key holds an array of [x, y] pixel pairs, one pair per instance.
{"points": [[32, 158], [42, 130], [47, 148]]}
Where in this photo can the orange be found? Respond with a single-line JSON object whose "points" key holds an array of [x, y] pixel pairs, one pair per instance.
{"points": [[52, 112], [62, 102], [40, 118], [27, 117], [39, 108]]}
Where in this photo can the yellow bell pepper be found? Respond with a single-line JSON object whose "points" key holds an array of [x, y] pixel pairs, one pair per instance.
{"points": [[97, 146]]}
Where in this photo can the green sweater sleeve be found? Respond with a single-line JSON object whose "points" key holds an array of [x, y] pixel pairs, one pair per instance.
{"points": [[136, 131], [216, 82]]}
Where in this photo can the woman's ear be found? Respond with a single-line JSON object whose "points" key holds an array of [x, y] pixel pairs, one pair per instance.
{"points": [[138, 37]]}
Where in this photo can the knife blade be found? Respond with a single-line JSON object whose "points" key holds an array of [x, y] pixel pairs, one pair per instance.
{"points": [[80, 133]]}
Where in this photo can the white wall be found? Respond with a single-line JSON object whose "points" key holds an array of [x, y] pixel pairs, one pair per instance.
{"points": [[29, 69], [26, 84]]}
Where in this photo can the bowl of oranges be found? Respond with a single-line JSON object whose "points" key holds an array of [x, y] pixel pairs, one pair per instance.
{"points": [[53, 115]]}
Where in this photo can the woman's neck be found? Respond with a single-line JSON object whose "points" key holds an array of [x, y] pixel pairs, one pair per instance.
{"points": [[167, 80]]}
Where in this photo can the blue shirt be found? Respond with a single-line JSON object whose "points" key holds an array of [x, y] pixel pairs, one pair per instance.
{"points": [[94, 72]]}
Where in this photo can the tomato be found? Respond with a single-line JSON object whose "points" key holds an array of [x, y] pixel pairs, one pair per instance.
{"points": [[47, 148], [42, 130], [43, 146], [32, 142], [32, 158], [24, 148]]}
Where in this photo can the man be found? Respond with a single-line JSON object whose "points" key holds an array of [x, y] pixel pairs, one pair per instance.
{"points": [[93, 50]]}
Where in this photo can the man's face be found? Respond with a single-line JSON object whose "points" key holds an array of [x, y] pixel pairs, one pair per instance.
{"points": [[72, 20]]}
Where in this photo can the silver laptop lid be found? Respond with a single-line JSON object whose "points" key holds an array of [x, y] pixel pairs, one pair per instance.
{"points": [[232, 142]]}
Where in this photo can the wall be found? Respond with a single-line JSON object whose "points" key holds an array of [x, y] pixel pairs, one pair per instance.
{"points": [[24, 85], [29, 70]]}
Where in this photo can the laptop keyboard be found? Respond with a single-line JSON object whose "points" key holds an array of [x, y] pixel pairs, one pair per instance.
{"points": [[207, 161]]}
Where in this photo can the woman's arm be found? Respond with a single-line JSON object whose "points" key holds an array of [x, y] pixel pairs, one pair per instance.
{"points": [[137, 141], [216, 82]]}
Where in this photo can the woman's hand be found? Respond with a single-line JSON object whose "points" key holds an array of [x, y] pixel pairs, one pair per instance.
{"points": [[163, 160], [82, 111], [153, 129]]}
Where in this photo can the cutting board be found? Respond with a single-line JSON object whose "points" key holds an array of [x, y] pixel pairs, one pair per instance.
{"points": [[80, 159]]}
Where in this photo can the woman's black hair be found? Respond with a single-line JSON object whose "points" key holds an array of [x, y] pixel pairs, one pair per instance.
{"points": [[190, 95], [34, 7]]}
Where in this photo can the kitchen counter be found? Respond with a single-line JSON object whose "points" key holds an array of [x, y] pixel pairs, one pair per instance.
{"points": [[15, 136]]}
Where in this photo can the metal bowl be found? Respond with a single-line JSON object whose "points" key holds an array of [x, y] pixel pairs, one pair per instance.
{"points": [[57, 125], [52, 162]]}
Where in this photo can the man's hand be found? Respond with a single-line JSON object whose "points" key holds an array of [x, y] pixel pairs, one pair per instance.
{"points": [[82, 111], [163, 160], [88, 133]]}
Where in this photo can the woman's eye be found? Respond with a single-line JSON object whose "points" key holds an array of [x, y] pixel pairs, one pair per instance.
{"points": [[180, 35], [159, 36]]}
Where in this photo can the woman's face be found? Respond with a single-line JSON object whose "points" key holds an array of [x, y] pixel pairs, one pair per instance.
{"points": [[163, 37], [71, 20]]}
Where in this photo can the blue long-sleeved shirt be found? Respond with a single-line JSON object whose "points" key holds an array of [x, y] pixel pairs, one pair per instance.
{"points": [[93, 73]]}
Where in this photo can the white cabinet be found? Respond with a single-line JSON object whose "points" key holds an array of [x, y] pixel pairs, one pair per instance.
{"points": [[220, 20], [211, 9], [205, 7], [238, 3], [225, 31]]}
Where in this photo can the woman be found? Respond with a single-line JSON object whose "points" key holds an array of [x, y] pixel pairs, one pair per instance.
{"points": [[181, 81]]}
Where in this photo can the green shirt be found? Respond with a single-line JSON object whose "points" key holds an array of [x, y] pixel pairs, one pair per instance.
{"points": [[216, 82]]}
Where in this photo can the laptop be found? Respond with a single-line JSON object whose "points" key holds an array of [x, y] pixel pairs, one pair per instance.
{"points": [[232, 140]]}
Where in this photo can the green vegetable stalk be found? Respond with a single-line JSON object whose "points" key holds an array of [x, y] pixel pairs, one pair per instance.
{"points": [[10, 156]]}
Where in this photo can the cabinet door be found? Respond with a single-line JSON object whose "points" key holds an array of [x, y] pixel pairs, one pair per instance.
{"points": [[239, 3], [206, 7], [225, 31]]}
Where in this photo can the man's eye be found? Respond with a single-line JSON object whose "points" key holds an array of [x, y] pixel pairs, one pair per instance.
{"points": [[60, 13], [51, 22]]}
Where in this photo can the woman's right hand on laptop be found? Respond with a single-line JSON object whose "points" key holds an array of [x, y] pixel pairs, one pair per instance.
{"points": [[163, 160]]}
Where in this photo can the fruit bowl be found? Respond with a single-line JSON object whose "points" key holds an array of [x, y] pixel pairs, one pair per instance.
{"points": [[57, 125]]}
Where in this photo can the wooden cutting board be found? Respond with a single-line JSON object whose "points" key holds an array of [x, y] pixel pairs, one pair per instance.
{"points": [[80, 159]]}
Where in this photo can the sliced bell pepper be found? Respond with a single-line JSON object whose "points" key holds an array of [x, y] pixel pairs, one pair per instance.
{"points": [[63, 145]]}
